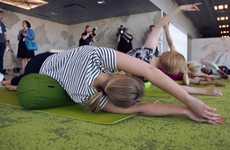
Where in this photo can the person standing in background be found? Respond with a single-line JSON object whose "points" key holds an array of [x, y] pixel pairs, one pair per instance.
{"points": [[87, 37], [2, 40], [124, 40], [9, 61], [24, 52]]}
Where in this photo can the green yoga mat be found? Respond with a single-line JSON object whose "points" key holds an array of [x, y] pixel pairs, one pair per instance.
{"points": [[74, 111]]}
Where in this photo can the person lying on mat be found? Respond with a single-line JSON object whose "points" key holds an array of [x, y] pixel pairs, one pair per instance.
{"points": [[206, 73], [88, 75], [171, 63]]}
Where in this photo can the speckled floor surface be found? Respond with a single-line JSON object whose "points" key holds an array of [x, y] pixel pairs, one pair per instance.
{"points": [[28, 130]]}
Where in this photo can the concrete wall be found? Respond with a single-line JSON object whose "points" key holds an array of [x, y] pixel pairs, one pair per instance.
{"points": [[216, 50], [107, 28], [51, 35], [48, 34]]}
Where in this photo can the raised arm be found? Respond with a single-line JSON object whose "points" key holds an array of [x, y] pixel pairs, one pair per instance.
{"points": [[133, 65], [169, 38]]}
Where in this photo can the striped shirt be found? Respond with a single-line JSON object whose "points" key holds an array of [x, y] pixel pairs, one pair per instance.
{"points": [[77, 68]]}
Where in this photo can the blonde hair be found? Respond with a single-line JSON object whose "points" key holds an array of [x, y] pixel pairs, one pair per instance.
{"points": [[193, 68], [122, 90], [173, 62]]}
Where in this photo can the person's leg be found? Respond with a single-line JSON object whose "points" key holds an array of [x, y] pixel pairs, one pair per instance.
{"points": [[2, 50], [33, 66], [211, 91], [153, 36]]}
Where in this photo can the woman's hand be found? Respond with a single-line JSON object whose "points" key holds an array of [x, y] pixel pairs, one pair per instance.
{"points": [[215, 121], [203, 111], [190, 7]]}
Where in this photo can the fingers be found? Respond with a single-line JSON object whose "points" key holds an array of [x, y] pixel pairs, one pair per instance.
{"points": [[211, 114], [210, 109], [213, 118], [219, 121], [195, 8], [197, 4]]}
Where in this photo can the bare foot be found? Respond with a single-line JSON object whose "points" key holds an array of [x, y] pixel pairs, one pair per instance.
{"points": [[6, 82], [212, 91], [11, 87]]}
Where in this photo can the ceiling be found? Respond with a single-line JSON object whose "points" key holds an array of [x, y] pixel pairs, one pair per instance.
{"points": [[206, 19], [78, 11]]}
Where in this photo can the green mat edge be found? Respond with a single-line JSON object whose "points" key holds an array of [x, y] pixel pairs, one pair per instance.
{"points": [[80, 119]]}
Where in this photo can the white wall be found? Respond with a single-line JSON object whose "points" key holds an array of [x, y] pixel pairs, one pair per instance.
{"points": [[216, 50]]}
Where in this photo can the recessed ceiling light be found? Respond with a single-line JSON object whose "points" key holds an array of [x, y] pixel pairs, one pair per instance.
{"points": [[101, 2], [224, 26], [25, 4], [223, 18], [224, 32], [221, 7]]}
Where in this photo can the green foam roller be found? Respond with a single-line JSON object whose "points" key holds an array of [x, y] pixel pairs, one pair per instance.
{"points": [[36, 91]]}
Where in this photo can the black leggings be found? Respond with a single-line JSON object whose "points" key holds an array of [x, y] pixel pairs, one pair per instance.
{"points": [[33, 66]]}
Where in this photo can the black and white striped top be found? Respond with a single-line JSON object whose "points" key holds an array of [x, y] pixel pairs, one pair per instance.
{"points": [[77, 68]]}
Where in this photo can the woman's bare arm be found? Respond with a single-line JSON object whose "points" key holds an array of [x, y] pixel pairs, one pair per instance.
{"points": [[158, 110], [211, 91], [140, 68]]}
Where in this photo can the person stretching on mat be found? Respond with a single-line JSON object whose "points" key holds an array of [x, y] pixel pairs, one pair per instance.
{"points": [[171, 63], [87, 75]]}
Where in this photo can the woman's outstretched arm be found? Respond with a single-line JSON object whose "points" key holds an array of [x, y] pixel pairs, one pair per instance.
{"points": [[211, 91], [158, 110], [140, 68]]}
